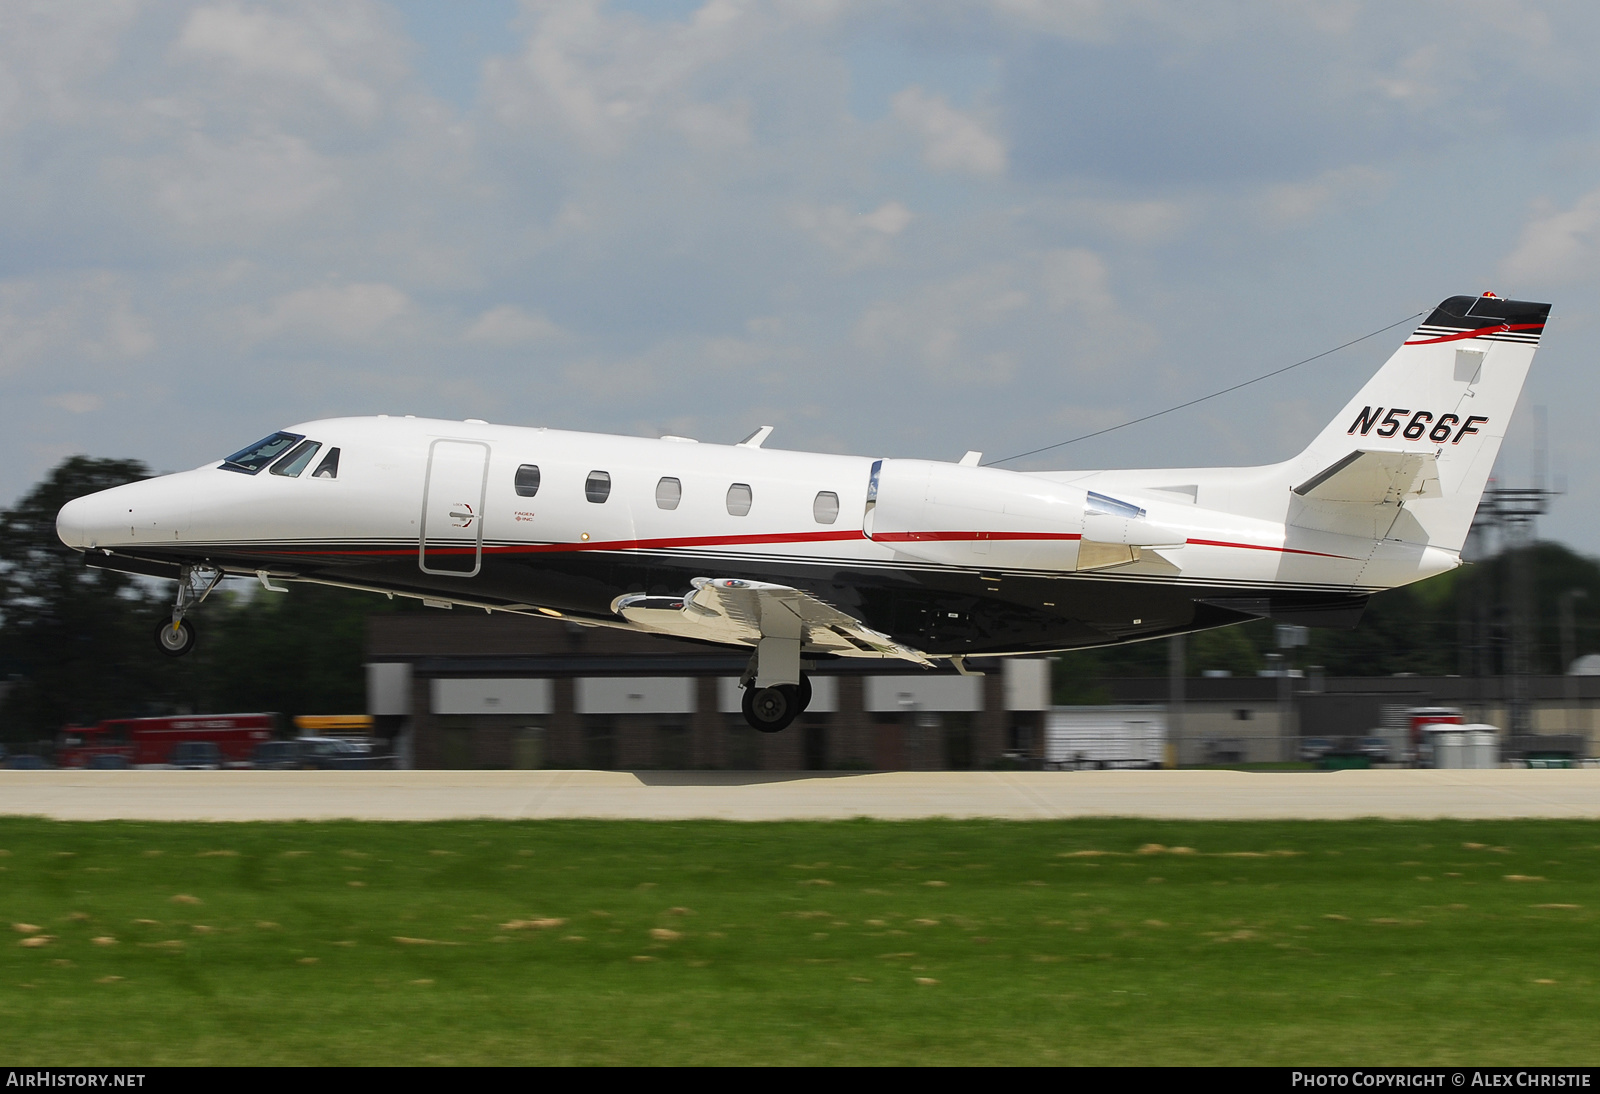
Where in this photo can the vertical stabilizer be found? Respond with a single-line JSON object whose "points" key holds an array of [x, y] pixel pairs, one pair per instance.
{"points": [[1446, 396]]}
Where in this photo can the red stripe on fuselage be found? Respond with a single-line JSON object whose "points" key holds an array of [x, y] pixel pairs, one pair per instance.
{"points": [[1261, 547], [948, 537], [667, 544]]}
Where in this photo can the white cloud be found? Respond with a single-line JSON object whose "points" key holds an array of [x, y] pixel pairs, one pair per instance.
{"points": [[1559, 246], [942, 326], [347, 313], [321, 46], [58, 324], [951, 139], [600, 76], [76, 402], [1337, 189], [509, 325], [238, 189], [1076, 279], [860, 238]]}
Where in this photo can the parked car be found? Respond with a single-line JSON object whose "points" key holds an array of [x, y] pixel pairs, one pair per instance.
{"points": [[276, 756], [333, 753], [108, 761], [195, 756], [1315, 748], [1375, 749], [23, 761]]}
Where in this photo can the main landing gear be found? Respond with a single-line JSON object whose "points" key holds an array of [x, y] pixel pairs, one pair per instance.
{"points": [[194, 584], [771, 709], [776, 692]]}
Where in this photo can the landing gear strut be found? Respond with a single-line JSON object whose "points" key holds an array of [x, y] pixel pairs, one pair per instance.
{"points": [[194, 584]]}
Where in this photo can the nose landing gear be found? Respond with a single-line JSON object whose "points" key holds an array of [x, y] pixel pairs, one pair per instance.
{"points": [[194, 584]]}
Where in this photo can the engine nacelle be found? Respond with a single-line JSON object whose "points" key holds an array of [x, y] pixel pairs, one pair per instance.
{"points": [[981, 516]]}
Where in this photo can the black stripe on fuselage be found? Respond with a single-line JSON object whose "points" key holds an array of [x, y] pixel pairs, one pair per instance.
{"points": [[939, 610]]}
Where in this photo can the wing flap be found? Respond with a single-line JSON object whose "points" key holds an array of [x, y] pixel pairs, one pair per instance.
{"points": [[738, 612]]}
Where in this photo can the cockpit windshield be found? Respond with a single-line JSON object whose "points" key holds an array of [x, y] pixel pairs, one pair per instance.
{"points": [[297, 459], [247, 461]]}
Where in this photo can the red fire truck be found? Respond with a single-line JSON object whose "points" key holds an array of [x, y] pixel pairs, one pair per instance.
{"points": [[142, 741]]}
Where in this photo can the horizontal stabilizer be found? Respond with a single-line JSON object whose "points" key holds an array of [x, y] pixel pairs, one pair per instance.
{"points": [[1375, 478]]}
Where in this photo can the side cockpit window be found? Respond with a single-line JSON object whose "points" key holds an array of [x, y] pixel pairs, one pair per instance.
{"points": [[248, 461], [329, 467], [297, 460]]}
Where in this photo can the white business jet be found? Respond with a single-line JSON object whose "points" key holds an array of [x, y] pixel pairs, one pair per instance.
{"points": [[803, 557]]}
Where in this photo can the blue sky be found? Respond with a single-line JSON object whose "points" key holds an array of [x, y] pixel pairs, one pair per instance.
{"points": [[885, 228]]}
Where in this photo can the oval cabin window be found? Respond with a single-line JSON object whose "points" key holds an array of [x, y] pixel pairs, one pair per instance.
{"points": [[669, 492], [739, 499], [826, 508], [527, 480], [597, 487]]}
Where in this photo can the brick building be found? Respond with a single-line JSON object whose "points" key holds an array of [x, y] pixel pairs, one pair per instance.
{"points": [[502, 691]]}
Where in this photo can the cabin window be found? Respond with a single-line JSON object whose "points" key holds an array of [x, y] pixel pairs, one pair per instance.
{"points": [[669, 492], [297, 459], [597, 487], [247, 461], [527, 481], [329, 467], [826, 507], [738, 499]]}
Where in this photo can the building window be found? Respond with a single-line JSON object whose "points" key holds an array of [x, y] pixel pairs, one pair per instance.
{"points": [[597, 487], [1242, 714], [739, 498], [527, 480], [826, 507], [669, 492]]}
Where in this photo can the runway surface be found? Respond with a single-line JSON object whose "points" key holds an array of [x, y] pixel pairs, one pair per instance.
{"points": [[757, 796]]}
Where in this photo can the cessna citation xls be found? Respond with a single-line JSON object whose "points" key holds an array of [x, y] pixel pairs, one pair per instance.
{"points": [[800, 556]]}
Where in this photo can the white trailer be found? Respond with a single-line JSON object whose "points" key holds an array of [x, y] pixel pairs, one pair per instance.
{"points": [[1105, 737]]}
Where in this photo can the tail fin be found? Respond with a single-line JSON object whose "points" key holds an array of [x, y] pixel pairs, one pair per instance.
{"points": [[1426, 428]]}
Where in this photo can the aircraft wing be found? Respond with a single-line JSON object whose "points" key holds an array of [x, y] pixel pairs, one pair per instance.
{"points": [[1375, 478], [739, 612]]}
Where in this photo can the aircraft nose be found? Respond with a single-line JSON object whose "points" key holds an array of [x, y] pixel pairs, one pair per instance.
{"points": [[83, 522], [151, 511]]}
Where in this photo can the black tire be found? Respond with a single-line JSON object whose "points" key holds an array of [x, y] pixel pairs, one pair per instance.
{"points": [[175, 641], [771, 709], [805, 694]]}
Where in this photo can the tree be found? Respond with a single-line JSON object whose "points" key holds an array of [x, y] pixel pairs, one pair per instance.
{"points": [[75, 640]]}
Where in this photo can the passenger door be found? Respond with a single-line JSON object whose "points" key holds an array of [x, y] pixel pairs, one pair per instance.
{"points": [[451, 538]]}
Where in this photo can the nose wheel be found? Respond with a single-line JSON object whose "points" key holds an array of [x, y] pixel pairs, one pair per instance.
{"points": [[175, 639]]}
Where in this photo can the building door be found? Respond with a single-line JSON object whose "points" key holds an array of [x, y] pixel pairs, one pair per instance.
{"points": [[452, 508]]}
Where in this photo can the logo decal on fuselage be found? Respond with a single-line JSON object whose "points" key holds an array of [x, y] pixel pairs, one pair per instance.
{"points": [[1438, 428]]}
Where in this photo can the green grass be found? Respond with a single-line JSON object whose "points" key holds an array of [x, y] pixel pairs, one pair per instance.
{"points": [[856, 942]]}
